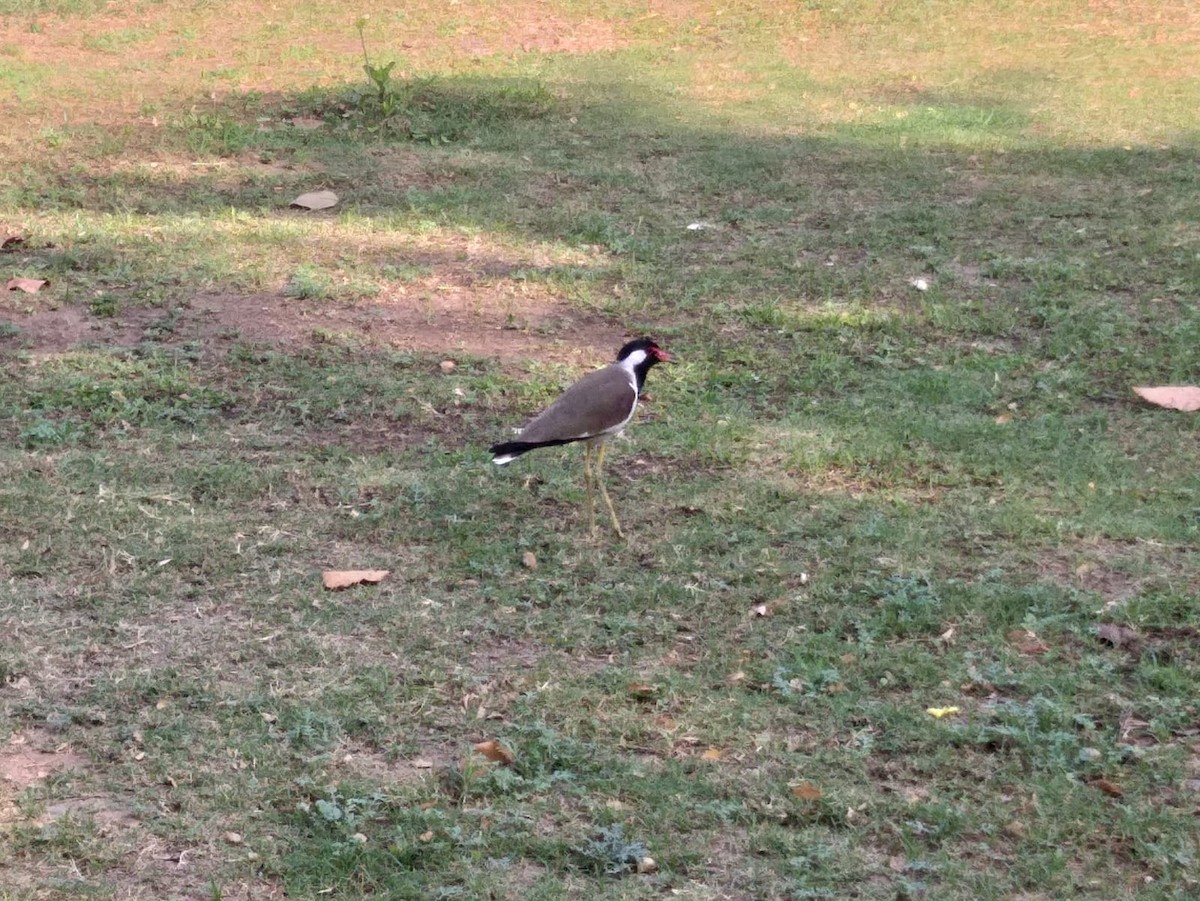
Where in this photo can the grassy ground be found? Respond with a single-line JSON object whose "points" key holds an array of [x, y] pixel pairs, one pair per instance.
{"points": [[852, 501]]}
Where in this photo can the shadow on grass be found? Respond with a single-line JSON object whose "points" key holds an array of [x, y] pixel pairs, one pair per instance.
{"points": [[1077, 253]]}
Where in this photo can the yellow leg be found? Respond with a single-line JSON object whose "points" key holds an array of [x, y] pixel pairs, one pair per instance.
{"points": [[598, 473], [587, 481]]}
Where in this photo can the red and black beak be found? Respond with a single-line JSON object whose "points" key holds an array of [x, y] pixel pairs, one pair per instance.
{"points": [[661, 355]]}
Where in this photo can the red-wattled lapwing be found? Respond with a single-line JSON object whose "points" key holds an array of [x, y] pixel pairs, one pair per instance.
{"points": [[593, 410]]}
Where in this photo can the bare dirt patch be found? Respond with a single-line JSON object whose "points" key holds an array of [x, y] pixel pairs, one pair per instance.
{"points": [[29, 758], [508, 324], [414, 769], [104, 811], [1109, 569], [63, 328]]}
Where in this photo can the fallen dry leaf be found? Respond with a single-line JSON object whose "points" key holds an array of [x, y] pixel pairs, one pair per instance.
{"points": [[898, 863], [426, 836], [28, 285], [1117, 636], [1109, 788], [806, 791], [495, 752], [1015, 829], [529, 561], [712, 754], [233, 838], [1027, 642], [335, 579], [761, 610], [422, 763], [735, 678], [316, 200], [308, 123], [447, 365], [647, 865], [1172, 397], [939, 712], [642, 690]]}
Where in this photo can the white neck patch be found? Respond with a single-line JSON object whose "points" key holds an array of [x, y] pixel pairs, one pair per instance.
{"points": [[634, 360]]}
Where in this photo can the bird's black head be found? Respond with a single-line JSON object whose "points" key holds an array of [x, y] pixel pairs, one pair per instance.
{"points": [[653, 353], [641, 354]]}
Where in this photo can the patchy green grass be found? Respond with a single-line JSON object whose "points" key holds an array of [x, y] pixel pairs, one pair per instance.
{"points": [[852, 501]]}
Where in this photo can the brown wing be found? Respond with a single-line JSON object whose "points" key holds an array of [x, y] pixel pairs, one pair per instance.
{"points": [[599, 402]]}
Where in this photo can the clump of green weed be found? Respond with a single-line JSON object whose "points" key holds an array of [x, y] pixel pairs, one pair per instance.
{"points": [[104, 304], [431, 110], [609, 852], [309, 283], [377, 107]]}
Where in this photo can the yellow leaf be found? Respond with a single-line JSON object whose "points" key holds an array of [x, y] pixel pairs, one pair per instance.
{"points": [[712, 754], [939, 712]]}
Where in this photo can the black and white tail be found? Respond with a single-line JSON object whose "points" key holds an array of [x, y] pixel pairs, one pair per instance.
{"points": [[507, 451]]}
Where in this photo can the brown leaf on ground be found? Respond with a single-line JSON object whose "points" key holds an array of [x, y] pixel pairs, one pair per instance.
{"points": [[28, 285], [1172, 397], [1015, 829], [806, 791], [336, 580], [1109, 788], [712, 754], [316, 200], [495, 752], [529, 560], [642, 690], [1027, 642], [1117, 636]]}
